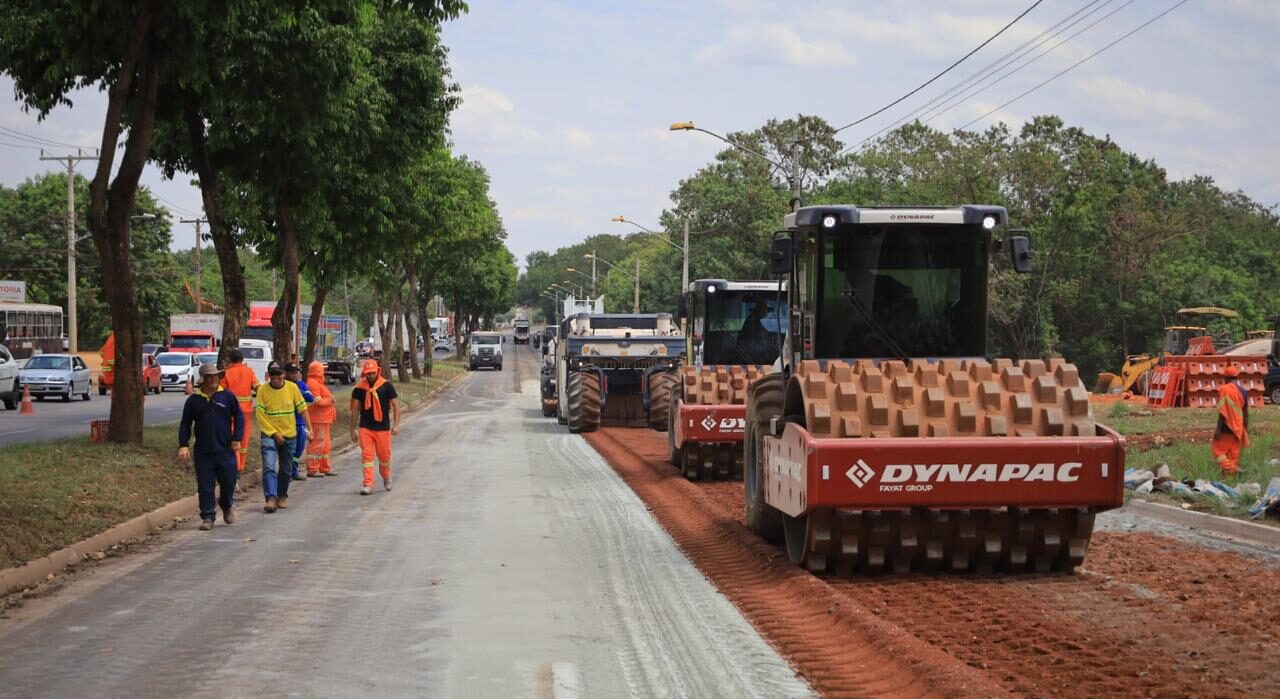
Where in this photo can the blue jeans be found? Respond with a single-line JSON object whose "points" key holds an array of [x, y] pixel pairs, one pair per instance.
{"points": [[277, 466], [220, 470], [299, 447]]}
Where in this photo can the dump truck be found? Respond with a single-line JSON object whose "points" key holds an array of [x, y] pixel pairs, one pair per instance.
{"points": [[521, 326], [603, 365], [735, 331], [887, 440], [335, 338]]}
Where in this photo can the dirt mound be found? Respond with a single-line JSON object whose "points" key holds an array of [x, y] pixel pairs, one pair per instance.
{"points": [[1146, 616]]}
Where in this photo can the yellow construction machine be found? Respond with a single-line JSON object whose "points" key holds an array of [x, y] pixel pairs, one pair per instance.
{"points": [[1136, 372]]}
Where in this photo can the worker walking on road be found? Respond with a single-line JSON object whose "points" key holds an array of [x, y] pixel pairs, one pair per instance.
{"points": [[1232, 432], [294, 373], [218, 423], [240, 380], [323, 414], [375, 418], [279, 403]]}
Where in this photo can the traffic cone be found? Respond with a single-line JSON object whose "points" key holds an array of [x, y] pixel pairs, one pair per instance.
{"points": [[187, 388], [27, 408]]}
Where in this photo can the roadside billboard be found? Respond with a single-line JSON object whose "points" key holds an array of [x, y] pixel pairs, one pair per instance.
{"points": [[13, 291]]}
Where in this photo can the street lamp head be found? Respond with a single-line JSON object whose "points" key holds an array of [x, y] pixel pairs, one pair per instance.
{"points": [[589, 256], [570, 269], [682, 126], [618, 219]]}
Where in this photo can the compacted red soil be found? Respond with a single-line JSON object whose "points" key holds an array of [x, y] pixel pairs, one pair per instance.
{"points": [[1146, 616]]}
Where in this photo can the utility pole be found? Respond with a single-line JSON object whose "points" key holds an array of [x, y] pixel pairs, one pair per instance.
{"points": [[73, 330], [593, 274], [684, 272], [795, 175], [199, 261], [637, 305]]}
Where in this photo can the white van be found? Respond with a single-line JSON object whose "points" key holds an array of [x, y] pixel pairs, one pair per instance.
{"points": [[257, 355]]}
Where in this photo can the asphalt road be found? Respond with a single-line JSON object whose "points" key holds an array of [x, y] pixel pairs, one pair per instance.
{"points": [[54, 419], [509, 561]]}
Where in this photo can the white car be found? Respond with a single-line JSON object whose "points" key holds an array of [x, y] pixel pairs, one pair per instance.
{"points": [[63, 375], [8, 379], [176, 368]]}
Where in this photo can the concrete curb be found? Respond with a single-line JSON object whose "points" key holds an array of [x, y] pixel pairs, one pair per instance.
{"points": [[37, 571], [1226, 526]]}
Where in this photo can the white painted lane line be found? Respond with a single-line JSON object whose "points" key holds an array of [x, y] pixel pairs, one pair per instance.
{"points": [[6, 434]]}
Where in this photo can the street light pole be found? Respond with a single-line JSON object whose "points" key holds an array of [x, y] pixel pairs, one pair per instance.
{"points": [[792, 170], [199, 261], [637, 304]]}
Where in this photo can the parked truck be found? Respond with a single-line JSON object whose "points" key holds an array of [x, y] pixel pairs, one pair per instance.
{"points": [[195, 332], [335, 338]]}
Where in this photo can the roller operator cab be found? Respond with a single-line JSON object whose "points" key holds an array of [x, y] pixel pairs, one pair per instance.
{"points": [[888, 440], [735, 331]]}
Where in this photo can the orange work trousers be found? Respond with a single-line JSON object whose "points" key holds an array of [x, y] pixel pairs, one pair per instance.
{"points": [[318, 446], [1226, 449], [243, 450], [375, 443]]}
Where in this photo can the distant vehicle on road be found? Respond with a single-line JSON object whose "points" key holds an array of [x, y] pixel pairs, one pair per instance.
{"points": [[442, 345], [28, 329], [177, 368], [522, 331], [206, 358], [8, 379], [63, 375], [486, 350], [154, 349], [195, 332]]}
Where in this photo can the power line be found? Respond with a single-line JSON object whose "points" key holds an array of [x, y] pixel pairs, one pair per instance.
{"points": [[175, 207], [19, 145], [1018, 68], [930, 81], [956, 92], [13, 133], [1071, 67]]}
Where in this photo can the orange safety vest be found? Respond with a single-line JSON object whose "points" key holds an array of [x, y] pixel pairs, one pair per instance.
{"points": [[323, 411], [1231, 411], [239, 379]]}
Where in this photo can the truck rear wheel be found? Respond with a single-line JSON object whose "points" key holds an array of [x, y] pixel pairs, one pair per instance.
{"points": [[763, 404], [660, 390]]}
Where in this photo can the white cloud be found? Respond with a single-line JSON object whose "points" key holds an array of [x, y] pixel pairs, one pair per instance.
{"points": [[488, 117], [570, 194], [577, 138], [560, 170], [1158, 108], [776, 44]]}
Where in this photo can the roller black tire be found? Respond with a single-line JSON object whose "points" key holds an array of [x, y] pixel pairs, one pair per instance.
{"points": [[763, 404], [675, 454], [660, 389], [584, 402], [1275, 394]]}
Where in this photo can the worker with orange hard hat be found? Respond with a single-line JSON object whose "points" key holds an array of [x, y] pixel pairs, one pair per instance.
{"points": [[375, 418], [240, 380], [1232, 431], [323, 415]]}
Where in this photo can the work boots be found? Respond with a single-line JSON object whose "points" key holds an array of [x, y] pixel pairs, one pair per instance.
{"points": [[270, 506]]}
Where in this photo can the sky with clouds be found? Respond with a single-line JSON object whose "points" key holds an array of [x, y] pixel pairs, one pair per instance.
{"points": [[567, 102]]}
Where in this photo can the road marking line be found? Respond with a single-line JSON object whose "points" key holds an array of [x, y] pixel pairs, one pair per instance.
{"points": [[6, 434]]}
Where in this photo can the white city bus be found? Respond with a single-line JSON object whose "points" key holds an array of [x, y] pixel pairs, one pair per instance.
{"points": [[27, 329]]}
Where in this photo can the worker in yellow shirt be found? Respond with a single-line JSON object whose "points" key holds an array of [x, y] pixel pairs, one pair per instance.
{"points": [[279, 404]]}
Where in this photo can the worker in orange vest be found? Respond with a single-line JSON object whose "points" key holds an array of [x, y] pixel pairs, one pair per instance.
{"points": [[239, 379], [1232, 432], [323, 415]]}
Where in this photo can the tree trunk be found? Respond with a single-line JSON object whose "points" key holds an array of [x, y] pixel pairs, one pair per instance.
{"points": [[411, 297], [282, 317], [110, 207], [384, 329], [313, 324], [235, 302], [424, 315], [402, 372], [458, 320]]}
